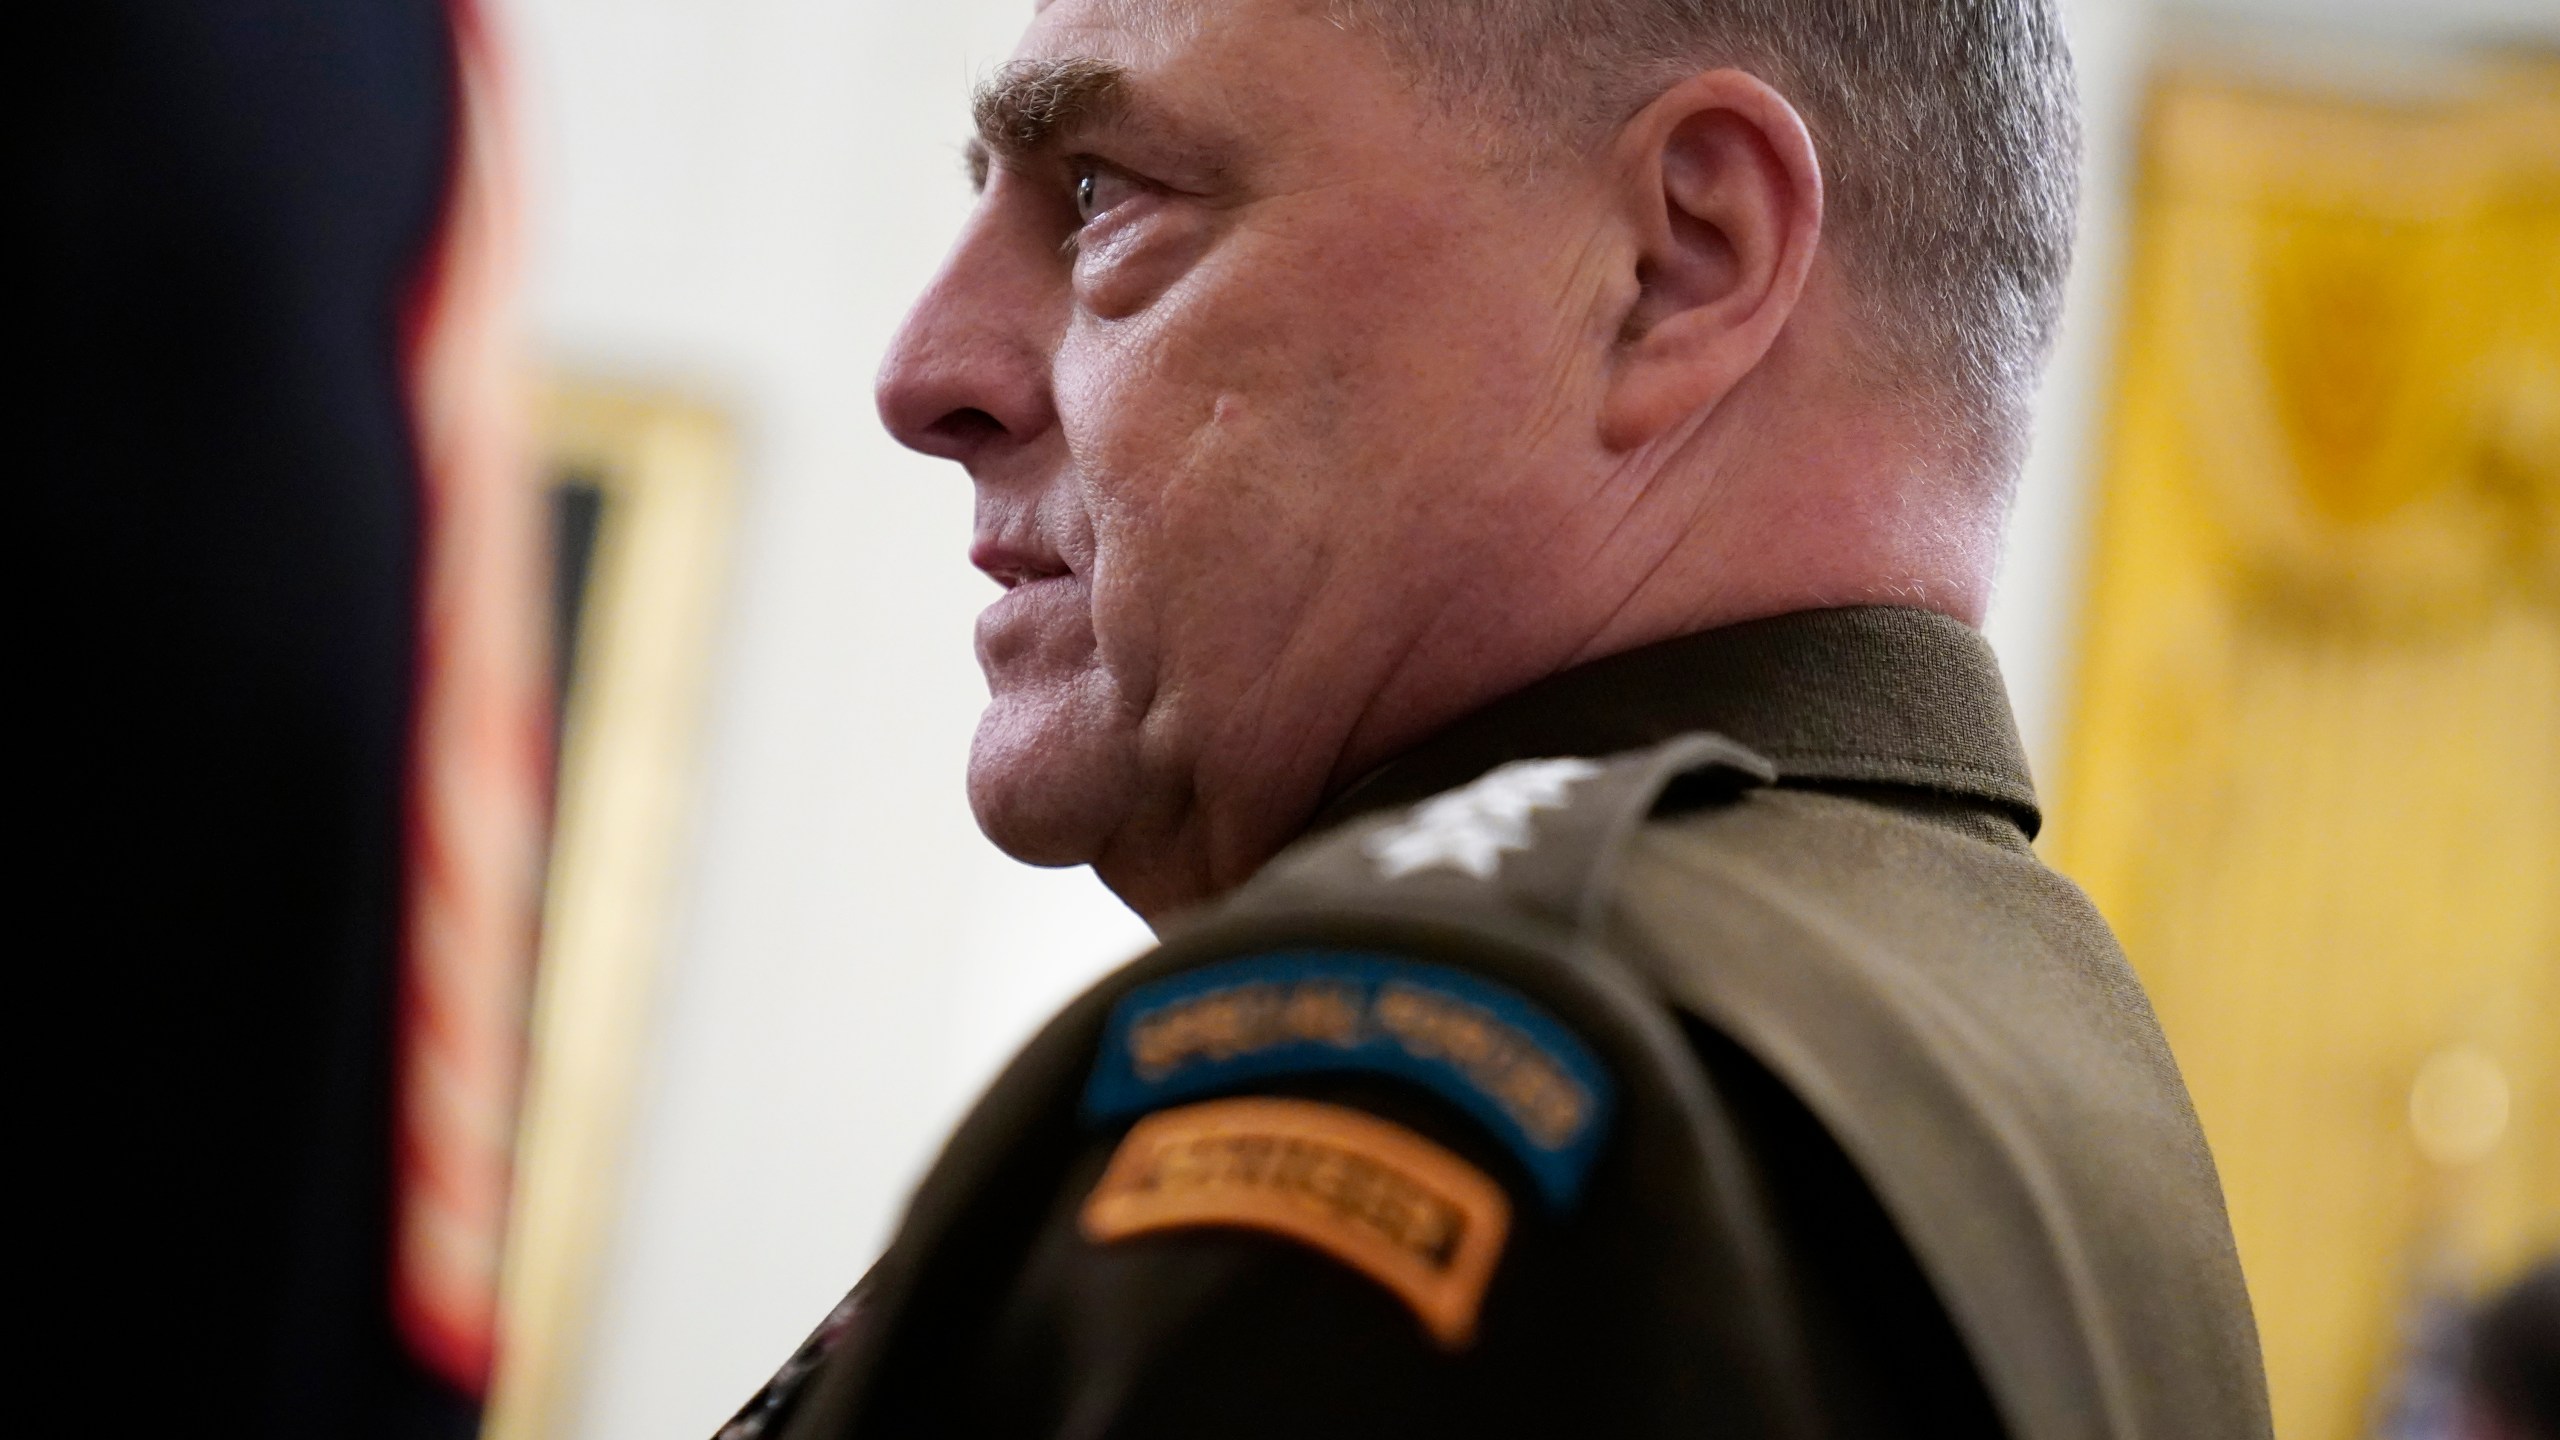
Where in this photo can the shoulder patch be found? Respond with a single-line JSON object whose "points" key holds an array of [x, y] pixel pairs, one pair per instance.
{"points": [[1370, 1193], [1481, 1046]]}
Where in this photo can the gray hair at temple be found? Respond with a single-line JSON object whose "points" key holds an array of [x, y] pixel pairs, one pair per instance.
{"points": [[1948, 129]]}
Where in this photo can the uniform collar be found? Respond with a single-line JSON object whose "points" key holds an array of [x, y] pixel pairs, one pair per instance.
{"points": [[1861, 698]]}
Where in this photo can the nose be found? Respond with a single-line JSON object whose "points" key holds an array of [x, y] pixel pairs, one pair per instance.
{"points": [[968, 374]]}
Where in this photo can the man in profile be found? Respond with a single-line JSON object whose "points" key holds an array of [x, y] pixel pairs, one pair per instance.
{"points": [[1493, 501]]}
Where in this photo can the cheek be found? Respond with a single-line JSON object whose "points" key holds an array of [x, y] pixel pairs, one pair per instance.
{"points": [[1208, 501], [1274, 431], [1189, 420], [1330, 327]]}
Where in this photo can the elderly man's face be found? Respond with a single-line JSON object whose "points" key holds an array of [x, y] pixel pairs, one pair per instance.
{"points": [[1264, 377]]}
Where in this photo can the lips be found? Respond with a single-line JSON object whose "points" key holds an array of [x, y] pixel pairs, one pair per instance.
{"points": [[1012, 564], [1040, 621]]}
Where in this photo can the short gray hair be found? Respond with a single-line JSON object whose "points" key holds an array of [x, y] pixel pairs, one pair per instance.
{"points": [[1948, 129]]}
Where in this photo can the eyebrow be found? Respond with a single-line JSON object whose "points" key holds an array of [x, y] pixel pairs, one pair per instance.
{"points": [[1029, 104]]}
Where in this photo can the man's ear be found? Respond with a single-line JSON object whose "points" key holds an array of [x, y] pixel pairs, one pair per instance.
{"points": [[1725, 194]]}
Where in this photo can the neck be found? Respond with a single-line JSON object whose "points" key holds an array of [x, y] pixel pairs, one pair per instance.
{"points": [[1706, 529], [1779, 501]]}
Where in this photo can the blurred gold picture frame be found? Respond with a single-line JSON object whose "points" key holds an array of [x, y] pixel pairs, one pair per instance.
{"points": [[640, 484]]}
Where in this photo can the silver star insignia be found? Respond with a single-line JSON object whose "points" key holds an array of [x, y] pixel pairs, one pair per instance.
{"points": [[1470, 829]]}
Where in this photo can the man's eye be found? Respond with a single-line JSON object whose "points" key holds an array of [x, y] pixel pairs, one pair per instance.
{"points": [[1097, 189]]}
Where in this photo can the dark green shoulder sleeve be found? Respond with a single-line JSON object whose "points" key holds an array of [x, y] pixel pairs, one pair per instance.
{"points": [[1389, 1144], [1963, 1025]]}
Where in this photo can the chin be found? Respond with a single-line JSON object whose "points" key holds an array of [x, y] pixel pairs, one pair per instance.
{"points": [[1050, 786]]}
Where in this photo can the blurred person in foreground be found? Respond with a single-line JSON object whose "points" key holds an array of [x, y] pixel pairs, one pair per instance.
{"points": [[260, 452], [1494, 501], [2511, 1386]]}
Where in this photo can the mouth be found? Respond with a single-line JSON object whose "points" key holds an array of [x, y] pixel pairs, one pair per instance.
{"points": [[1039, 622], [1013, 566]]}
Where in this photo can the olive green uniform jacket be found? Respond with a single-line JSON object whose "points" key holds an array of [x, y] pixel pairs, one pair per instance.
{"points": [[1691, 1044]]}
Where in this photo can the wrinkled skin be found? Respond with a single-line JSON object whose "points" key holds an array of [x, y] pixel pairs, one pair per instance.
{"points": [[1298, 428]]}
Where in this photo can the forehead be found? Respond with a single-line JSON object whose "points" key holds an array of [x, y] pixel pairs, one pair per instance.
{"points": [[1136, 31], [1142, 16], [1261, 79]]}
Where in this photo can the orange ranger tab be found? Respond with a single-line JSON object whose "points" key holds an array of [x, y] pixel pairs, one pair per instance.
{"points": [[1371, 1194]]}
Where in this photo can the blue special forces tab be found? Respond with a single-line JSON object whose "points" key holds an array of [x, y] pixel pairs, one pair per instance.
{"points": [[1481, 1046]]}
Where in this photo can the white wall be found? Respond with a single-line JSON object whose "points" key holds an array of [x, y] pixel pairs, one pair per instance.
{"points": [[2032, 611], [2426, 21], [739, 196]]}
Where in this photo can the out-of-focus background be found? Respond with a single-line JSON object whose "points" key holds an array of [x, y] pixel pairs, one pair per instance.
{"points": [[2281, 613]]}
